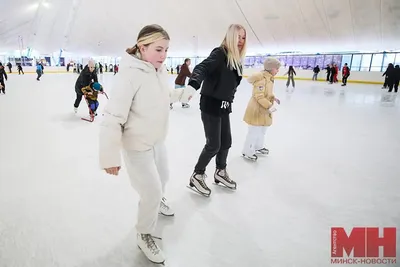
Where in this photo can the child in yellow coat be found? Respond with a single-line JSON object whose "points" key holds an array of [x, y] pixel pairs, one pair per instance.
{"points": [[259, 110]]}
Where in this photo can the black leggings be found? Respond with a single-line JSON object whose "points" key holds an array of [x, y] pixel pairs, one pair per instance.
{"points": [[218, 141], [344, 79], [392, 84], [78, 99]]}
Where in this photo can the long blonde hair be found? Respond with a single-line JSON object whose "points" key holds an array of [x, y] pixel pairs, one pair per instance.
{"points": [[230, 42], [148, 35]]}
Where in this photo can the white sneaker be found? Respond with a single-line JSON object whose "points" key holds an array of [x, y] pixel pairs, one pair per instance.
{"points": [[150, 249], [165, 209]]}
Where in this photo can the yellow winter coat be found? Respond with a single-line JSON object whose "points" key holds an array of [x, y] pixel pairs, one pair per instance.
{"points": [[262, 99]]}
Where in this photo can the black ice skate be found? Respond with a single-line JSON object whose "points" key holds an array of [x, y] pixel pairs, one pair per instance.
{"points": [[198, 184], [221, 176], [263, 151]]}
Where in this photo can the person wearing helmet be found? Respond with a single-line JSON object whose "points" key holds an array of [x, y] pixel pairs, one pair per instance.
{"points": [[91, 93]]}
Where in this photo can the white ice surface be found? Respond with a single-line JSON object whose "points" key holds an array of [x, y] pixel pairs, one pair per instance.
{"points": [[334, 162]]}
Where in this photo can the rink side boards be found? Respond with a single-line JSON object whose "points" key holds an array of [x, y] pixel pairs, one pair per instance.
{"points": [[245, 76]]}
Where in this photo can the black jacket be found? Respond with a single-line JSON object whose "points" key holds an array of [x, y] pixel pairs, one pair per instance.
{"points": [[84, 79], [390, 74], [2, 73], [220, 82], [396, 74]]}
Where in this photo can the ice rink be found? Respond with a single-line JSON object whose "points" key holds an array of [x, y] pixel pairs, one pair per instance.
{"points": [[334, 161]]}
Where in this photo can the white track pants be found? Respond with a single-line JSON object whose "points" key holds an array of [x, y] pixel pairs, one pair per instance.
{"points": [[148, 172], [254, 140]]}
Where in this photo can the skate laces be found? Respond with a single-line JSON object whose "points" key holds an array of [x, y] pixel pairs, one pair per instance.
{"points": [[201, 179], [148, 239], [225, 175], [164, 204]]}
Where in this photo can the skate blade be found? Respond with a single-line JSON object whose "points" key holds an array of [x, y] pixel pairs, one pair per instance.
{"points": [[246, 158], [198, 192], [225, 186], [89, 120], [159, 263]]}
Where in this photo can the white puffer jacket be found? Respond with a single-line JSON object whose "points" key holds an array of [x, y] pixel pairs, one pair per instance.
{"points": [[137, 113]]}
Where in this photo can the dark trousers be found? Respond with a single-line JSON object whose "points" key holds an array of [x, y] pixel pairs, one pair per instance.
{"points": [[396, 85], [344, 79], [78, 98], [39, 74], [4, 86], [218, 141], [392, 84], [19, 71]]}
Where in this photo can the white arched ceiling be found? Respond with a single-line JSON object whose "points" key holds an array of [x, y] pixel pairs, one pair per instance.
{"points": [[100, 27]]}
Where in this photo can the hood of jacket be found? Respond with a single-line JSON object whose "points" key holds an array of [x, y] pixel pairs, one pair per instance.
{"points": [[135, 63], [259, 76]]}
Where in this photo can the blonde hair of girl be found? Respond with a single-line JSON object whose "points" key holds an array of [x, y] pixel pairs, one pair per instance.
{"points": [[230, 42], [148, 35]]}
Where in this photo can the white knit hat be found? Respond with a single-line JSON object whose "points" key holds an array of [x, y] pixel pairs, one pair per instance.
{"points": [[271, 63]]}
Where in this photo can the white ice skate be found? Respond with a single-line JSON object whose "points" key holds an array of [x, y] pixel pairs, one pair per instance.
{"points": [[253, 157], [150, 248], [165, 209], [221, 176], [75, 109], [262, 151], [198, 182]]}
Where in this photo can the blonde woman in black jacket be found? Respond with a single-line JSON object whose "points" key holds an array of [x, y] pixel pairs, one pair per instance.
{"points": [[220, 73]]}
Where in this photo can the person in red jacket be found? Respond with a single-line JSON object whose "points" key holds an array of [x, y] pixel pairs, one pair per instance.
{"points": [[181, 79], [335, 79], [345, 74]]}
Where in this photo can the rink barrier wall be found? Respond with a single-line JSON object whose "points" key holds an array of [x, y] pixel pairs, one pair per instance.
{"points": [[365, 77]]}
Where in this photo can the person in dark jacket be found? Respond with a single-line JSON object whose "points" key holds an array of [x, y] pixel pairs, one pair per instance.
{"points": [[2, 74], [290, 73], [328, 72], [220, 73], [9, 65], [87, 76], [20, 69], [316, 71], [389, 77], [181, 79], [396, 78]]}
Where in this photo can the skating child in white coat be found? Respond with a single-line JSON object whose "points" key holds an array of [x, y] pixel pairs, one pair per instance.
{"points": [[259, 111], [136, 118]]}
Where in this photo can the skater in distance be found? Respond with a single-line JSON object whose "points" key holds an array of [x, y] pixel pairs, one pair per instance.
{"points": [[259, 110], [136, 116], [181, 79], [220, 74]]}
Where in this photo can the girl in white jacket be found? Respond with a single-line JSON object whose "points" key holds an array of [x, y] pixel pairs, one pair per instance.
{"points": [[136, 118]]}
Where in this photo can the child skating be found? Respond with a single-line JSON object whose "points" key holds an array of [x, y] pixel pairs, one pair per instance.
{"points": [[259, 110], [91, 93]]}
